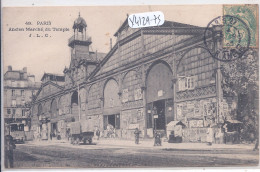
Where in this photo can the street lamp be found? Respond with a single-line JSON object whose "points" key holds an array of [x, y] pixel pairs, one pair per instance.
{"points": [[155, 116]]}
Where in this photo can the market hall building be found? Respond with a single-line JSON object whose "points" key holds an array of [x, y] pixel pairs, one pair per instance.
{"points": [[150, 77]]}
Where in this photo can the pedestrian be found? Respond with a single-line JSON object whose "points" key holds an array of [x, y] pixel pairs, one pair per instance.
{"points": [[98, 134], [157, 139], [225, 129], [256, 144], [219, 136], [39, 136], [68, 133], [9, 147], [51, 134], [137, 133], [210, 136]]}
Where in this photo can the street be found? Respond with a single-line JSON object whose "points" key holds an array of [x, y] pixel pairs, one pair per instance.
{"points": [[104, 154]]}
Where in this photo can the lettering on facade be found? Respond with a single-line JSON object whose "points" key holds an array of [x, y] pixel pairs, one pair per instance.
{"points": [[138, 94], [125, 95]]}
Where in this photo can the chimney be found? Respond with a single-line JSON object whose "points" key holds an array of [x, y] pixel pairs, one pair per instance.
{"points": [[110, 43], [9, 68], [25, 69]]}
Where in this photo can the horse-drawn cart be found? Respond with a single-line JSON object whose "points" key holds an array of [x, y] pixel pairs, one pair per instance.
{"points": [[80, 133]]}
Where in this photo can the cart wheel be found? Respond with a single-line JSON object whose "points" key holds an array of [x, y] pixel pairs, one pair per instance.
{"points": [[90, 141], [72, 140], [77, 141]]}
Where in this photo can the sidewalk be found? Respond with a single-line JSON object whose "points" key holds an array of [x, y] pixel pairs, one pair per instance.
{"points": [[147, 143]]}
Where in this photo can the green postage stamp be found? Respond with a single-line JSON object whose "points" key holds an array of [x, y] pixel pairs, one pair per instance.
{"points": [[240, 25]]}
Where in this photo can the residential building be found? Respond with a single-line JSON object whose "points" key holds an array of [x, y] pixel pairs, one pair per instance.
{"points": [[19, 91]]}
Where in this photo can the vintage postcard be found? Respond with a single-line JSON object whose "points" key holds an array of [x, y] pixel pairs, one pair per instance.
{"points": [[158, 86]]}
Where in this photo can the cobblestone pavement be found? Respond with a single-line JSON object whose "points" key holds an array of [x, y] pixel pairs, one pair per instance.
{"points": [[120, 153]]}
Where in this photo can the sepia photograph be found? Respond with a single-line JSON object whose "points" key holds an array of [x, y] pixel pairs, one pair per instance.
{"points": [[148, 86]]}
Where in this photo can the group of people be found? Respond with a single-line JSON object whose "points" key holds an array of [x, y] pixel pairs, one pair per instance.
{"points": [[137, 132], [111, 131]]}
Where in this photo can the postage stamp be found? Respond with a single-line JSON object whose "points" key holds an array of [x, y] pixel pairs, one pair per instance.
{"points": [[246, 13]]}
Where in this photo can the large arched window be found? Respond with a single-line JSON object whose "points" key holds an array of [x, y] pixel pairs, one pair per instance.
{"points": [[39, 109], [93, 99], [131, 87], [74, 105], [74, 98], [159, 82], [54, 108], [111, 104], [111, 97]]}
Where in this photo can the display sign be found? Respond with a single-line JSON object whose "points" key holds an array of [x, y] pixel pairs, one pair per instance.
{"points": [[125, 95], [138, 94], [26, 128], [111, 102], [83, 106], [60, 111], [179, 111], [133, 126], [160, 93], [196, 123], [155, 116]]}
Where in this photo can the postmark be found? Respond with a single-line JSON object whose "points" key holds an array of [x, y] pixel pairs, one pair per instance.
{"points": [[230, 38], [247, 13]]}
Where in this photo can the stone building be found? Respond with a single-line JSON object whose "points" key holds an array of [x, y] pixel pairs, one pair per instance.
{"points": [[19, 90], [150, 77]]}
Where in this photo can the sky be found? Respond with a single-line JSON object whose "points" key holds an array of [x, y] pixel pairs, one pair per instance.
{"points": [[51, 54]]}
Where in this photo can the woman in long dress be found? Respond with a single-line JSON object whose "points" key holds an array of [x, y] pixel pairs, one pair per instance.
{"points": [[210, 135]]}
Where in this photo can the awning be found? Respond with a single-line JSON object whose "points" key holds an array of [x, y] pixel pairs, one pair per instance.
{"points": [[172, 124]]}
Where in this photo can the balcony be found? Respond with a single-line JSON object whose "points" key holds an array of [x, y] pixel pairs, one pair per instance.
{"points": [[79, 39]]}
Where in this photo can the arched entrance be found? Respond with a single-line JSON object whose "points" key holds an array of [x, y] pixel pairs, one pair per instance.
{"points": [[159, 96], [74, 105], [39, 110], [111, 105], [54, 114], [54, 109], [39, 115]]}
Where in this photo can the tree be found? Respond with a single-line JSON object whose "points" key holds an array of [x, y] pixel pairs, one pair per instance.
{"points": [[240, 80]]}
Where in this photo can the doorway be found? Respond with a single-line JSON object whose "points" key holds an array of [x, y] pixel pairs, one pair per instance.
{"points": [[159, 117], [54, 129], [111, 120]]}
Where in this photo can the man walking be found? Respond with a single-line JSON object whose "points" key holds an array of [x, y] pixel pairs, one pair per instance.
{"points": [[157, 139], [98, 134], [137, 133]]}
